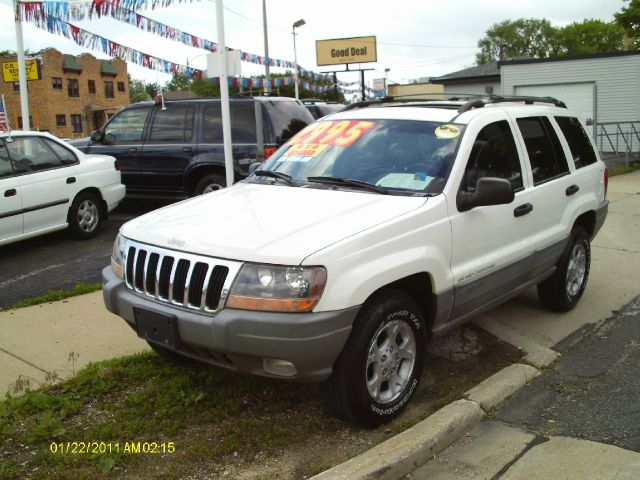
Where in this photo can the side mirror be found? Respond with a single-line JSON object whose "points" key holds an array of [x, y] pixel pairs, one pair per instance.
{"points": [[96, 136], [489, 191], [255, 166]]}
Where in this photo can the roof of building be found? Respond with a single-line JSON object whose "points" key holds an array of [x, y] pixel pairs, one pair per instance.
{"points": [[70, 64], [491, 69], [585, 56], [106, 68]]}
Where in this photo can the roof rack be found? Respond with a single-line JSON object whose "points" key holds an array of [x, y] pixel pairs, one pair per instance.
{"points": [[411, 98], [500, 99]]}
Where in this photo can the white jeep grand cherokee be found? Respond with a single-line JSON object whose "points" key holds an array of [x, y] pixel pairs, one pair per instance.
{"points": [[364, 236]]}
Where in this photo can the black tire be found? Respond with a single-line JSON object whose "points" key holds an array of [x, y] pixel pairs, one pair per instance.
{"points": [[563, 289], [175, 358], [210, 183], [346, 392], [85, 215]]}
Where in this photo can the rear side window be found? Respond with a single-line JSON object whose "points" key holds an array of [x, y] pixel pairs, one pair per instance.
{"points": [[5, 163], [494, 154], [243, 123], [30, 154], [65, 156], [544, 149], [175, 124], [128, 126], [579, 143], [287, 118]]}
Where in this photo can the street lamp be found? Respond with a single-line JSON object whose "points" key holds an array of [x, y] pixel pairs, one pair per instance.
{"points": [[297, 24]]}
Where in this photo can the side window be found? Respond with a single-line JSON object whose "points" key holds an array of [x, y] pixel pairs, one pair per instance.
{"points": [[128, 126], [66, 156], [243, 123], [212, 124], [579, 143], [30, 154], [544, 149], [5, 163], [494, 154], [175, 124]]}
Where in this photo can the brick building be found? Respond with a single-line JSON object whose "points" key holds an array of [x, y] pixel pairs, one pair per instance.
{"points": [[74, 96]]}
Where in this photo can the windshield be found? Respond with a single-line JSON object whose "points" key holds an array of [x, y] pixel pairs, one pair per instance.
{"points": [[402, 156]]}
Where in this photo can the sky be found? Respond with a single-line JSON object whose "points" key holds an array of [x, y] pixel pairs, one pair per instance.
{"points": [[415, 39]]}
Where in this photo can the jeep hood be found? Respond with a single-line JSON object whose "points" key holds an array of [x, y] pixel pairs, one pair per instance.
{"points": [[275, 224]]}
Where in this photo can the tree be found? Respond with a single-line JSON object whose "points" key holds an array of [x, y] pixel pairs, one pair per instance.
{"points": [[590, 36], [516, 38], [629, 19], [137, 91], [178, 83]]}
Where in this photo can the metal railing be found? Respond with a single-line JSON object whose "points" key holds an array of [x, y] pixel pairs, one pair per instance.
{"points": [[618, 141]]}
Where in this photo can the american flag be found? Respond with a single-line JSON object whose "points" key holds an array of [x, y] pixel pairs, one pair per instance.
{"points": [[4, 120]]}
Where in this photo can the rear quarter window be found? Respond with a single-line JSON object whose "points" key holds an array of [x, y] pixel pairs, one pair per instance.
{"points": [[287, 118], [578, 140]]}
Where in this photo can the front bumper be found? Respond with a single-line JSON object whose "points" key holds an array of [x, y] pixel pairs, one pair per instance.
{"points": [[241, 339]]}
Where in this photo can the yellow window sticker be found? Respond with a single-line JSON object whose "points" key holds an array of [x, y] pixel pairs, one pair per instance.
{"points": [[305, 150], [447, 132]]}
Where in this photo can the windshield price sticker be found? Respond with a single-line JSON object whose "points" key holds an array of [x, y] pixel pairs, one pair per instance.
{"points": [[341, 133], [305, 150], [447, 132]]}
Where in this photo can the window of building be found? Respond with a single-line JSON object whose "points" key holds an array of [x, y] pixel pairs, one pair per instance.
{"points": [[108, 89], [543, 147], [92, 86], [494, 154], [61, 120], [20, 127], [579, 143], [121, 87], [56, 83], [72, 87], [16, 86], [76, 123]]}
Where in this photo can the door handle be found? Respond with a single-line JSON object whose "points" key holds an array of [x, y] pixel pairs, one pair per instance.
{"points": [[522, 210], [186, 149], [71, 180], [133, 149], [571, 190], [11, 192]]}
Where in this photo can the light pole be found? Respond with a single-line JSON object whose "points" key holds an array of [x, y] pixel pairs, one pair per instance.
{"points": [[297, 24], [267, 77], [386, 82]]}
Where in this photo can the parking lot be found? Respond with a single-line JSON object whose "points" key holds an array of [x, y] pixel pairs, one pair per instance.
{"points": [[57, 262]]}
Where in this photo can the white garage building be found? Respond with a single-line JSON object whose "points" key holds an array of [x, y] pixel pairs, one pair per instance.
{"points": [[603, 89]]}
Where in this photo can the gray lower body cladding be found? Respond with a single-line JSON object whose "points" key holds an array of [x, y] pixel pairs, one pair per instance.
{"points": [[241, 339]]}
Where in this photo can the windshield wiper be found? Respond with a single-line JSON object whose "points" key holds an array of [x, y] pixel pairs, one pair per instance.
{"points": [[273, 174], [350, 183]]}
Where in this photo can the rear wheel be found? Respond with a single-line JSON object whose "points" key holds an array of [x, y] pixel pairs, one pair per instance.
{"points": [[380, 366], [210, 183], [85, 215], [562, 291]]}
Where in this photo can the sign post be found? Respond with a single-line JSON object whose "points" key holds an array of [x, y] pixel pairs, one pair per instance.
{"points": [[22, 71]]}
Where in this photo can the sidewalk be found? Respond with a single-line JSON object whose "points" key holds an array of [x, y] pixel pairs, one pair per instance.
{"points": [[60, 338]]}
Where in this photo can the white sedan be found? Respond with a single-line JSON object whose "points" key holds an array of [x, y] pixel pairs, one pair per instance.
{"points": [[47, 185]]}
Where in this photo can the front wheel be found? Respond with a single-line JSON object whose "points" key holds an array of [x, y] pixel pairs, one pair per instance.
{"points": [[210, 183], [563, 289], [85, 216], [380, 366]]}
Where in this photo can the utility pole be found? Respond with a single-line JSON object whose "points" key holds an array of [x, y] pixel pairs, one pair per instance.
{"points": [[22, 72], [267, 78], [224, 95]]}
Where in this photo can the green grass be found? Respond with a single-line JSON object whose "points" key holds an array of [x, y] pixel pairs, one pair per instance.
{"points": [[622, 169], [79, 289], [213, 416]]}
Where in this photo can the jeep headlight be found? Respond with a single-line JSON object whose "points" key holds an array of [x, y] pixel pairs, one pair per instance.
{"points": [[277, 288], [117, 257]]}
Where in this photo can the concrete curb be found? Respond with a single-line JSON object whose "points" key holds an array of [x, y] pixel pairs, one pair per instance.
{"points": [[400, 455]]}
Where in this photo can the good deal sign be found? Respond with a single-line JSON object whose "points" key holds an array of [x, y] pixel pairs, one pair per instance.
{"points": [[346, 50]]}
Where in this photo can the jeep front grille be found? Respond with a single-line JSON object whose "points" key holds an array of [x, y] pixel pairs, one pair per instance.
{"points": [[189, 281]]}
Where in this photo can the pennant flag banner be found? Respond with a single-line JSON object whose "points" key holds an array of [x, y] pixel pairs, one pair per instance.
{"points": [[125, 11]]}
